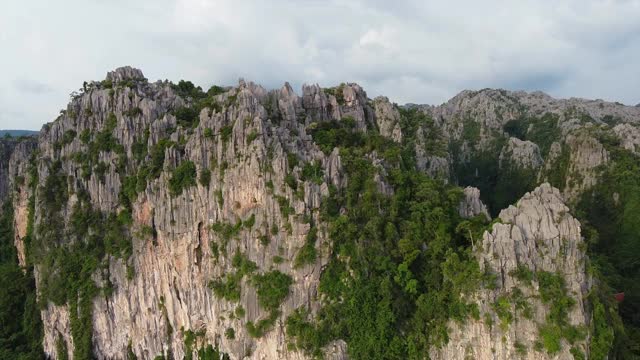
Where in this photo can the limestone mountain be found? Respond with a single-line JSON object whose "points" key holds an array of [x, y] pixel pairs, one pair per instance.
{"points": [[154, 220], [18, 133]]}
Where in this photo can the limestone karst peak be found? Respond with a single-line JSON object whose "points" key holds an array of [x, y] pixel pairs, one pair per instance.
{"points": [[125, 73], [182, 206], [287, 89]]}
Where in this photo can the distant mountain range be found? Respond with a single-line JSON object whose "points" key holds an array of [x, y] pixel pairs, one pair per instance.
{"points": [[17, 133]]}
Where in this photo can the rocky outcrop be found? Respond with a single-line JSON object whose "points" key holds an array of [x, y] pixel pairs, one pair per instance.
{"points": [[540, 103], [6, 149], [535, 238], [387, 118], [494, 107], [491, 108], [317, 104], [436, 165], [125, 73], [586, 157], [562, 137], [15, 154], [14, 158], [523, 154], [629, 136], [355, 104], [471, 205]]}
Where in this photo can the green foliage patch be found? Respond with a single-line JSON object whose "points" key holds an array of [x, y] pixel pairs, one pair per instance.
{"points": [[609, 214], [331, 134], [21, 332], [186, 116], [205, 177], [69, 254], [307, 253], [272, 288], [541, 130], [407, 266], [182, 177]]}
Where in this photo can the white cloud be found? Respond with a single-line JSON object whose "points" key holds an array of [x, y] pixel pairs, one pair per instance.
{"points": [[410, 51]]}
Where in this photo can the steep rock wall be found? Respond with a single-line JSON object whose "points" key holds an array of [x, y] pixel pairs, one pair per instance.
{"points": [[535, 238], [252, 142]]}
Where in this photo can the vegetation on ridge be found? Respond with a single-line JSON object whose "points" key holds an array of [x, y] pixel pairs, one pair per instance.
{"points": [[400, 284], [399, 262]]}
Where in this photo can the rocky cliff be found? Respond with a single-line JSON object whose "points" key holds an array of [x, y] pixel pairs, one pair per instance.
{"points": [[14, 155], [164, 221], [535, 258], [249, 146]]}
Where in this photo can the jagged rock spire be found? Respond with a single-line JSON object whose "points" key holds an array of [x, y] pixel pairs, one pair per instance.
{"points": [[125, 73]]}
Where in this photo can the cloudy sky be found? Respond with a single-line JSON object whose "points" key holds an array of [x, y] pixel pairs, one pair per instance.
{"points": [[411, 51]]}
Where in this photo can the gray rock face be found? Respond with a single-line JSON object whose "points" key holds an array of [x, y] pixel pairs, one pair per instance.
{"points": [[494, 107], [586, 156], [436, 165], [356, 105], [317, 104], [629, 136], [125, 73], [524, 154], [7, 147], [387, 118], [471, 205], [538, 234], [14, 162], [473, 123], [14, 157], [491, 108]]}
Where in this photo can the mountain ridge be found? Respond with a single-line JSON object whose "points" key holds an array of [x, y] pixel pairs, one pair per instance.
{"points": [[230, 220], [17, 132]]}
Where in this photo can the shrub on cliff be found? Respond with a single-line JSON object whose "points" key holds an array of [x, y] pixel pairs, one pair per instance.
{"points": [[182, 177]]}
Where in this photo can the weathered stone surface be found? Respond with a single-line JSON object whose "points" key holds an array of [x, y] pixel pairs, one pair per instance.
{"points": [[125, 73], [538, 234], [14, 159], [387, 118], [491, 108], [6, 150], [523, 154], [572, 123], [494, 107], [471, 205], [436, 165], [58, 325], [315, 102], [14, 163], [629, 136], [586, 156], [356, 105]]}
